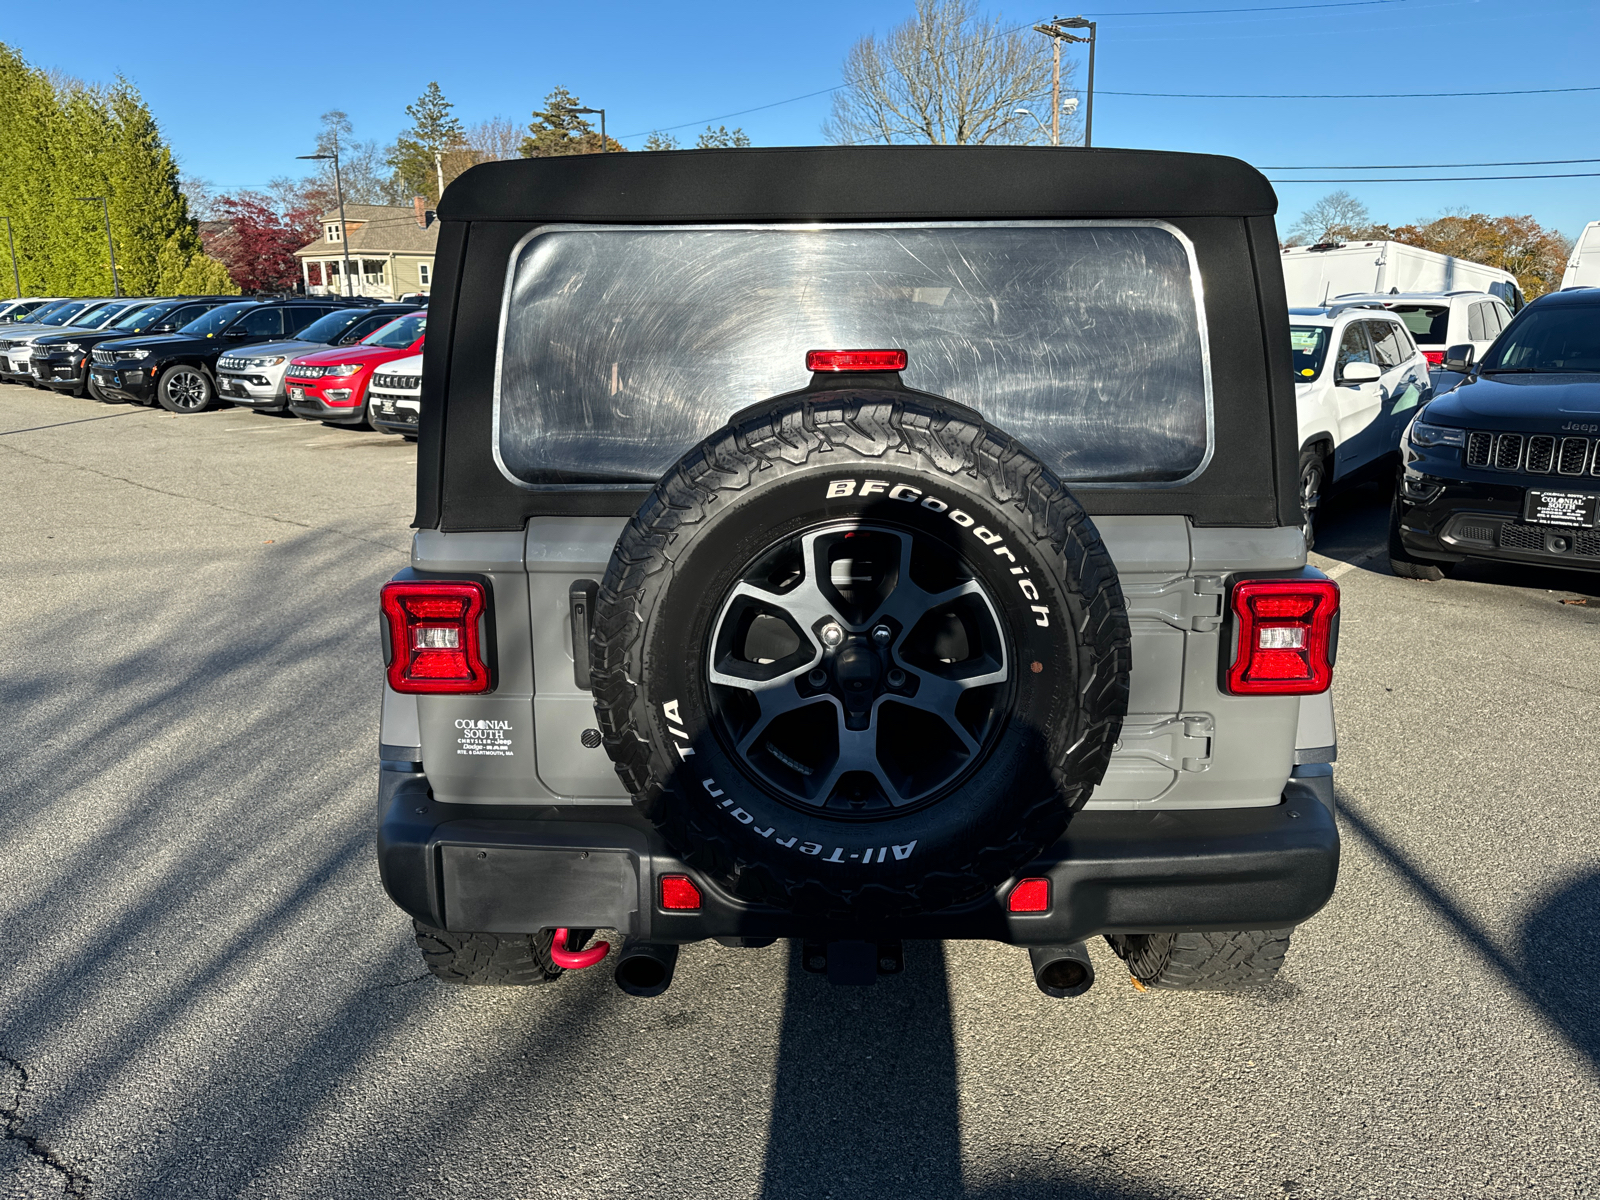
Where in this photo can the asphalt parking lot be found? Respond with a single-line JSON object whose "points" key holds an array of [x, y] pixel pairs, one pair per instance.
{"points": [[207, 994]]}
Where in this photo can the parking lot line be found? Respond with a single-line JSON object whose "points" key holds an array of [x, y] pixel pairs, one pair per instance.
{"points": [[1360, 560]]}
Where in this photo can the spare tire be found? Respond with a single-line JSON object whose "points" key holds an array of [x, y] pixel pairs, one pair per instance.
{"points": [[860, 653]]}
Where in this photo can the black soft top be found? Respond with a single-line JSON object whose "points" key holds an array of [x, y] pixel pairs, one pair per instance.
{"points": [[860, 183], [1222, 205]]}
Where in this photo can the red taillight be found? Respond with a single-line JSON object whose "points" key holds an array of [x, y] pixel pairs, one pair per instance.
{"points": [[434, 641], [679, 892], [855, 360], [1285, 644], [1435, 357], [1030, 895]]}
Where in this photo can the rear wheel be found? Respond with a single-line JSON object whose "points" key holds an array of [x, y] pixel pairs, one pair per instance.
{"points": [[1401, 561], [488, 959], [1197, 962], [1313, 479], [184, 389]]}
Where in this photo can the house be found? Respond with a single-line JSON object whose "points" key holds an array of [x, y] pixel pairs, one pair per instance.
{"points": [[390, 253]]}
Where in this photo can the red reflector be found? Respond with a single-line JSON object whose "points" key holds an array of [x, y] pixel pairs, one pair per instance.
{"points": [[434, 643], [1285, 637], [1031, 895], [855, 360], [1435, 357], [679, 892]]}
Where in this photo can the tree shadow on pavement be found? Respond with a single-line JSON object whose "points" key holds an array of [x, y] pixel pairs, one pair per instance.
{"points": [[1557, 959], [866, 1100]]}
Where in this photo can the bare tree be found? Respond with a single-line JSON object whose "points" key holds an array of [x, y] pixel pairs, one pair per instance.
{"points": [[363, 166], [1337, 217], [947, 76], [494, 140]]}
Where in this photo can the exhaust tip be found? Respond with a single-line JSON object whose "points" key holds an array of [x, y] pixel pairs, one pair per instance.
{"points": [[645, 968], [1062, 971]]}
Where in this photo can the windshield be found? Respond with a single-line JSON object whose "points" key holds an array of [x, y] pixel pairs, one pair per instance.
{"points": [[43, 311], [326, 330], [1561, 338], [622, 347], [64, 314], [1310, 343], [398, 334], [140, 317], [103, 318], [216, 320], [1429, 323]]}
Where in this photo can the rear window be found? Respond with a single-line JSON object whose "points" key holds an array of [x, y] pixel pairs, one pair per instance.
{"points": [[1429, 323], [620, 348]]}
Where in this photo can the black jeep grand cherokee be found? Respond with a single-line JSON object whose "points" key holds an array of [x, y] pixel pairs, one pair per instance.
{"points": [[1507, 466]]}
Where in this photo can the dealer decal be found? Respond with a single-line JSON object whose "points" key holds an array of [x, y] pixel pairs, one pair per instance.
{"points": [[837, 854], [484, 739], [906, 494]]}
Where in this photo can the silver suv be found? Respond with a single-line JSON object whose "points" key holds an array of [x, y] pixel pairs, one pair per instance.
{"points": [[253, 378], [858, 544]]}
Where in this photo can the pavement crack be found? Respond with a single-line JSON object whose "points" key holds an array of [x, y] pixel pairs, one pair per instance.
{"points": [[17, 1129]]}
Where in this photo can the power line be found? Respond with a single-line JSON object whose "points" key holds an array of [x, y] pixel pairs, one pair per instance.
{"points": [[1185, 12], [1535, 162], [1345, 95], [1440, 178]]}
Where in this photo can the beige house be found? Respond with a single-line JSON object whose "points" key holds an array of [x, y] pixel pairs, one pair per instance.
{"points": [[390, 252]]}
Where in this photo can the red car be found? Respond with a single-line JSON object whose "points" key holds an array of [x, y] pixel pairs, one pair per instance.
{"points": [[331, 385]]}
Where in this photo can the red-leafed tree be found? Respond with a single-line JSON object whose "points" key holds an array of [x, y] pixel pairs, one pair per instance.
{"points": [[256, 235]]}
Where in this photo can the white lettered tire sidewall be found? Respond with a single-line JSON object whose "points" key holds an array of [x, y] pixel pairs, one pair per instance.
{"points": [[1067, 650]]}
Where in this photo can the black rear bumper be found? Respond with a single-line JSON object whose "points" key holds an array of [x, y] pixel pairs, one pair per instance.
{"points": [[1113, 872]]}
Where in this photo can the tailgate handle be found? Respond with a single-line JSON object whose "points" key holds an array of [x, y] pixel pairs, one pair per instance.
{"points": [[580, 603]]}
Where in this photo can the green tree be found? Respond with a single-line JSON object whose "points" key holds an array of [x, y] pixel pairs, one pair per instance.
{"points": [[558, 128], [433, 131], [722, 138], [66, 140], [661, 141]]}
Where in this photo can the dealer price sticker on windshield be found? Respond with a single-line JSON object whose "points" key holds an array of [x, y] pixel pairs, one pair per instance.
{"points": [[1576, 510]]}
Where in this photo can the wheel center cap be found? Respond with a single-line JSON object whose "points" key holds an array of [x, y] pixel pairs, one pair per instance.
{"points": [[857, 669]]}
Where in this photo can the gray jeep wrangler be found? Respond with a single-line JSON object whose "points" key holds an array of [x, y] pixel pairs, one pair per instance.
{"points": [[858, 544]]}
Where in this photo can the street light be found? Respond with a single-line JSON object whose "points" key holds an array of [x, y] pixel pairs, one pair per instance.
{"points": [[116, 283], [1068, 106], [1056, 30], [602, 112], [16, 275], [338, 192]]}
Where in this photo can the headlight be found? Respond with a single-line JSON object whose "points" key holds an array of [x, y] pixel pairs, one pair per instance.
{"points": [[342, 369], [1436, 435], [72, 347], [135, 354], [265, 362]]}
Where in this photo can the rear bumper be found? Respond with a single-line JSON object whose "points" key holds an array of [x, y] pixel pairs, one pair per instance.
{"points": [[472, 870]]}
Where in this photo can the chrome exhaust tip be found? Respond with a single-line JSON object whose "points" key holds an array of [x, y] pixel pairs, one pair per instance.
{"points": [[1062, 971]]}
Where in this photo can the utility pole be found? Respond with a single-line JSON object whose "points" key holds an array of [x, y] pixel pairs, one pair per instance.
{"points": [[338, 191], [1056, 30], [16, 275], [105, 207], [438, 166]]}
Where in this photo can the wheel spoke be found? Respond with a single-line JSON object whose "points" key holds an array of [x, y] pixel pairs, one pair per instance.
{"points": [[858, 752]]}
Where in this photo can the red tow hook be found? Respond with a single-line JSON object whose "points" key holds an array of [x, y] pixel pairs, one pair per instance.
{"points": [[575, 960]]}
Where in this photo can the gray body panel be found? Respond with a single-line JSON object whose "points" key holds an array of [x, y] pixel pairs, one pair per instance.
{"points": [[1185, 744]]}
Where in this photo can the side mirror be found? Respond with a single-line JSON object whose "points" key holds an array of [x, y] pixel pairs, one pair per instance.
{"points": [[1459, 358], [164, 327], [1355, 374]]}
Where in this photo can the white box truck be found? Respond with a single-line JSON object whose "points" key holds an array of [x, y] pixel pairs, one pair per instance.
{"points": [[1583, 268], [1316, 275]]}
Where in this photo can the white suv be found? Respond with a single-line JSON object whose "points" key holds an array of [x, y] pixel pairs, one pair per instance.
{"points": [[1439, 320], [1359, 378], [394, 398]]}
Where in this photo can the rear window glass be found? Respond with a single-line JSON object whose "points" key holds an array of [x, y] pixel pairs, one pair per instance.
{"points": [[622, 347], [1428, 323]]}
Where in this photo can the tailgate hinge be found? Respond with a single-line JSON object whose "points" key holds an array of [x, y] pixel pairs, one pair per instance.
{"points": [[1182, 743], [1188, 604]]}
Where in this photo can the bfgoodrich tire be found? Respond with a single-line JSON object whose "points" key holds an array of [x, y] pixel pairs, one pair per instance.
{"points": [[1196, 962], [487, 959], [967, 704]]}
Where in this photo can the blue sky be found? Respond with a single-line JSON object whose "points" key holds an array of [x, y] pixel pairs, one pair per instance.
{"points": [[238, 90]]}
